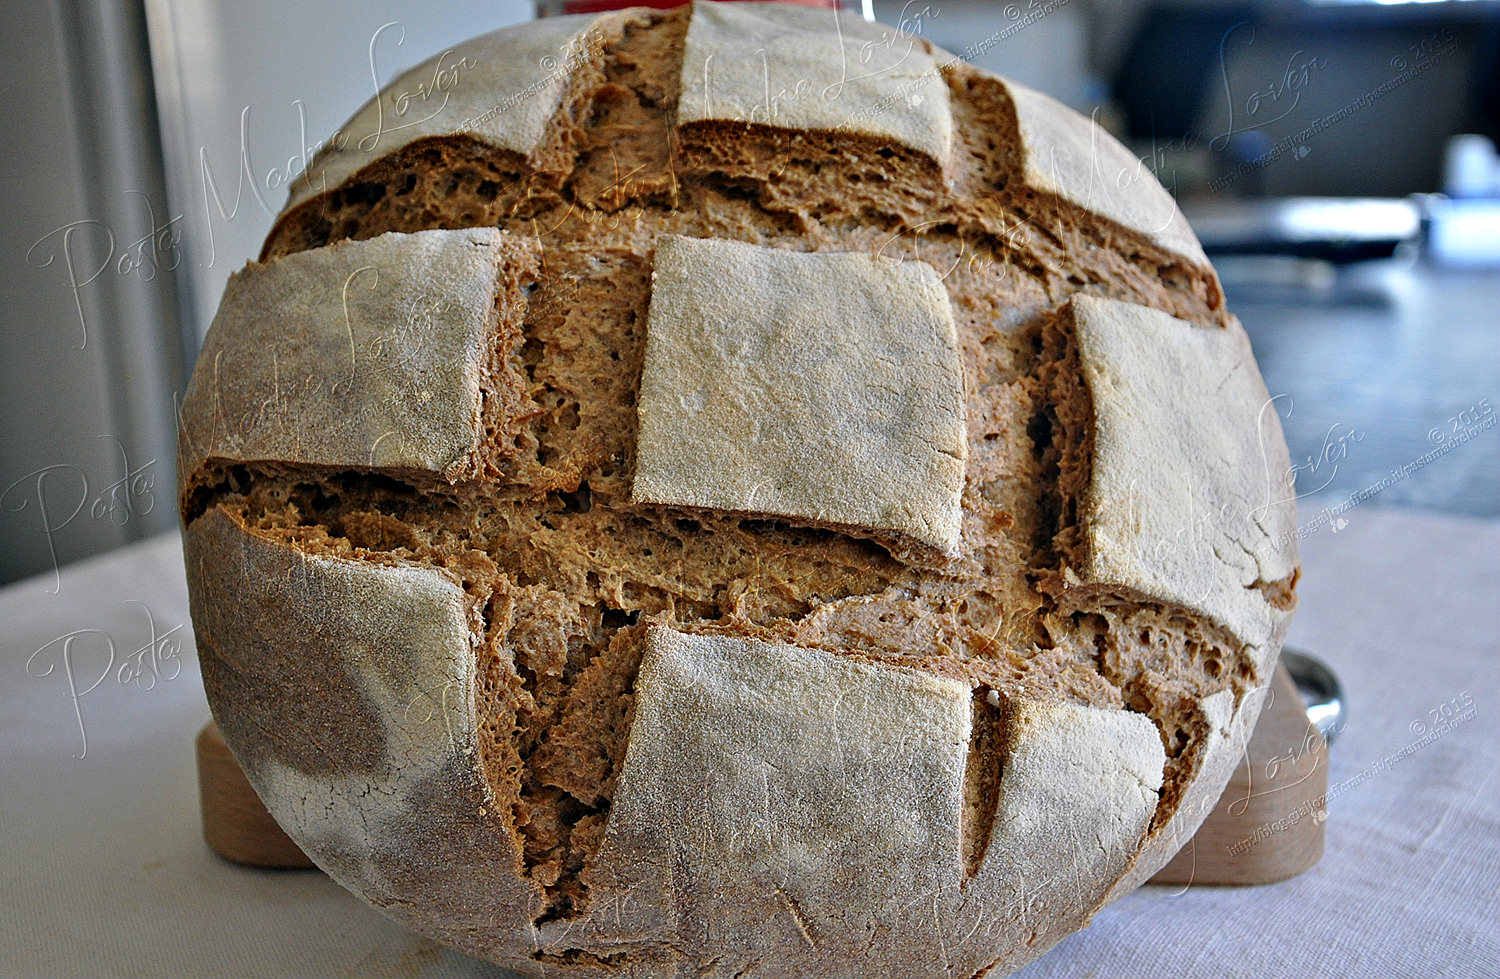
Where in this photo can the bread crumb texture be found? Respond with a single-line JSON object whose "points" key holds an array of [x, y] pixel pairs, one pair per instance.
{"points": [[730, 492]]}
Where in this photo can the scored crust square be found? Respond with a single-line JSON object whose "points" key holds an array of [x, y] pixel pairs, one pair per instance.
{"points": [[840, 781], [781, 65], [1190, 507], [825, 387], [370, 353]]}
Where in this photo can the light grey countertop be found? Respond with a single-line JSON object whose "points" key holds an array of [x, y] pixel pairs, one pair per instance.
{"points": [[1376, 365]]}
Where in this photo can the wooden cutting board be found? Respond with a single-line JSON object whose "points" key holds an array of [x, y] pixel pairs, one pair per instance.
{"points": [[1267, 826]]}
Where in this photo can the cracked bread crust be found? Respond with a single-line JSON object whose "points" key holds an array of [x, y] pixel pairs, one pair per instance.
{"points": [[871, 81], [1076, 720], [501, 90], [385, 354], [750, 402]]}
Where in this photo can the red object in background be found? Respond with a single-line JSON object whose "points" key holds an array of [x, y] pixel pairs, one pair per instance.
{"points": [[548, 8]]}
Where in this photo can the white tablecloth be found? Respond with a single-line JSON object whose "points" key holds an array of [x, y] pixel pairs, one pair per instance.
{"points": [[103, 870]]}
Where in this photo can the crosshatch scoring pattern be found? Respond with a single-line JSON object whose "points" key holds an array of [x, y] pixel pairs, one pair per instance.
{"points": [[822, 387], [911, 562]]}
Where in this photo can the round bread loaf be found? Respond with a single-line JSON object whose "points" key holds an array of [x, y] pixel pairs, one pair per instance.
{"points": [[732, 492]]}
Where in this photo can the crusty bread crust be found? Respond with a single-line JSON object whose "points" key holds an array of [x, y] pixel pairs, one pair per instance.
{"points": [[749, 401], [529, 695], [385, 354]]}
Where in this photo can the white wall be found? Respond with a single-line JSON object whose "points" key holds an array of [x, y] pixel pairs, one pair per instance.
{"points": [[90, 357]]}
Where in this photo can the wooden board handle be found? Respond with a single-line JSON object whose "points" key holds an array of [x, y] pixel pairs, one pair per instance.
{"points": [[235, 822], [1248, 839], [1268, 824]]}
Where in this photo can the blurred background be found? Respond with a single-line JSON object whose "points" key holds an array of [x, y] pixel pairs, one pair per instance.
{"points": [[1337, 159]]}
